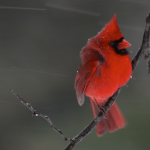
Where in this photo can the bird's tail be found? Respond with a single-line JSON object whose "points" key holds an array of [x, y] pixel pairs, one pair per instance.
{"points": [[112, 121]]}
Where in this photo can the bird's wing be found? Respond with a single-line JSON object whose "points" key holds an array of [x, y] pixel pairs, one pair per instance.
{"points": [[84, 75]]}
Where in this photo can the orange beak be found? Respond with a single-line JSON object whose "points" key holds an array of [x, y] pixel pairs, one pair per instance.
{"points": [[123, 45]]}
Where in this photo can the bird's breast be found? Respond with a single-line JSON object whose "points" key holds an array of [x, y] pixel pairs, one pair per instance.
{"points": [[114, 73]]}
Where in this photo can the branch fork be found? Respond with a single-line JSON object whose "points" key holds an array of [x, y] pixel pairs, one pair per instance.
{"points": [[143, 50]]}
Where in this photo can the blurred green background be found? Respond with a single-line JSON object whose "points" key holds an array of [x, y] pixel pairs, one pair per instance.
{"points": [[40, 41]]}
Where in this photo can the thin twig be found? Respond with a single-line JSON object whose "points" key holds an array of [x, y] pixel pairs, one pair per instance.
{"points": [[143, 50], [93, 124], [35, 113], [145, 47]]}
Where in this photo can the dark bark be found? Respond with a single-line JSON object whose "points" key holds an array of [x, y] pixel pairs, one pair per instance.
{"points": [[144, 49], [35, 113]]}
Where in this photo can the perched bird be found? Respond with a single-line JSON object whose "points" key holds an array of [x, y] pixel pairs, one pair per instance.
{"points": [[105, 66]]}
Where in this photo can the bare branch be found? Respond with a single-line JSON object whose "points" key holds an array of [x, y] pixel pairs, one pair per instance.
{"points": [[35, 113], [144, 49], [93, 124]]}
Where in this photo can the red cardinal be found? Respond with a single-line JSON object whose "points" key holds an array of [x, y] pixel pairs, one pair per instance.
{"points": [[105, 67]]}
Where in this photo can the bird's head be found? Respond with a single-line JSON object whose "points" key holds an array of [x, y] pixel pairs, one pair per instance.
{"points": [[111, 38]]}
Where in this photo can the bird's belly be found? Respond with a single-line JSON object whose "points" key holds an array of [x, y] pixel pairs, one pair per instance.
{"points": [[103, 86]]}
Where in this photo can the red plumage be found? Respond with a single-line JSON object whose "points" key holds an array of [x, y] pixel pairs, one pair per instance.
{"points": [[105, 67]]}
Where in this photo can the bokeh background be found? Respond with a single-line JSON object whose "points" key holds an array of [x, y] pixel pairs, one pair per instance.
{"points": [[40, 41]]}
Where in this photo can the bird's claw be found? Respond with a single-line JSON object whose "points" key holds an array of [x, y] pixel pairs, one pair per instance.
{"points": [[103, 110]]}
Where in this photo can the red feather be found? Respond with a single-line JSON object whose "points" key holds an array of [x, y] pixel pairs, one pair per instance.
{"points": [[105, 67], [114, 119]]}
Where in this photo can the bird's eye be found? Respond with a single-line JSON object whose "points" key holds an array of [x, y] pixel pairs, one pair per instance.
{"points": [[115, 44], [112, 44]]}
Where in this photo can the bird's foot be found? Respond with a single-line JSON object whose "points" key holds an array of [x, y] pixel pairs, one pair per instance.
{"points": [[103, 110]]}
